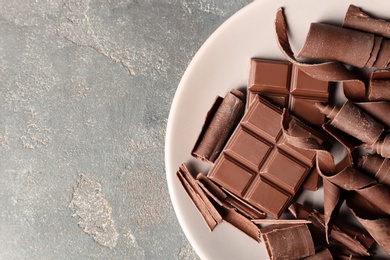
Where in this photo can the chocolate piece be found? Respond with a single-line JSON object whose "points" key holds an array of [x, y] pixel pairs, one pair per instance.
{"points": [[359, 20], [376, 166], [203, 205], [287, 86], [281, 241], [330, 42], [354, 89], [220, 123], [258, 166], [312, 181], [351, 120]]}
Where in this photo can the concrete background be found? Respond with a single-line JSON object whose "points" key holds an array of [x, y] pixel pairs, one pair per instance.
{"points": [[86, 88]]}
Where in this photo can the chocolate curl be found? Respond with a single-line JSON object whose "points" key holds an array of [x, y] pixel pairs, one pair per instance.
{"points": [[225, 116], [357, 19], [379, 86], [322, 254], [201, 202], [375, 221], [376, 196], [280, 241], [353, 121], [378, 110], [354, 89], [377, 166], [343, 239], [381, 147], [330, 42], [325, 166]]}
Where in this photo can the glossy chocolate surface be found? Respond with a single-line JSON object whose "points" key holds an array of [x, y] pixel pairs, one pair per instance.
{"points": [[258, 165]]}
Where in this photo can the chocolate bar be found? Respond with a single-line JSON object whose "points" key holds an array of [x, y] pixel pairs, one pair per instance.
{"points": [[285, 85], [258, 166]]}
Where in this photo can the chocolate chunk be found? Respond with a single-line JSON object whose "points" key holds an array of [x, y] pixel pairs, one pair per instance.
{"points": [[281, 241], [330, 42], [258, 166], [219, 124], [285, 85], [352, 120], [359, 20]]}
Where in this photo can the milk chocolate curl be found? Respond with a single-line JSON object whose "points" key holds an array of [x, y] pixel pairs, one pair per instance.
{"points": [[288, 241], [379, 86], [336, 43], [382, 146], [359, 20], [353, 121], [216, 131], [376, 166]]}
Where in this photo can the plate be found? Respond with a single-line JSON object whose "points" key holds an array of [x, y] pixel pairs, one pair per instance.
{"points": [[222, 63]]}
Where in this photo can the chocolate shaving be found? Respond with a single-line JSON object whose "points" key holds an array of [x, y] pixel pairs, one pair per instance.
{"points": [[323, 254], [343, 238], [377, 166], [376, 195], [220, 122], [280, 221], [359, 20], [354, 89], [197, 200]]}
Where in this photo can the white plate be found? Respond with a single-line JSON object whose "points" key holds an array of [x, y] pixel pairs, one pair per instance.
{"points": [[221, 64]]}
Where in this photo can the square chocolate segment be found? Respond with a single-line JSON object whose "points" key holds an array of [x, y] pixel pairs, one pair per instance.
{"points": [[257, 164], [285, 85]]}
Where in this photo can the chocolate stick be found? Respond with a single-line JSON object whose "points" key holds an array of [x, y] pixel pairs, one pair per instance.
{"points": [[214, 136]]}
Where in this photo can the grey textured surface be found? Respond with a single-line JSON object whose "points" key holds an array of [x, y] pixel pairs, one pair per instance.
{"points": [[86, 88]]}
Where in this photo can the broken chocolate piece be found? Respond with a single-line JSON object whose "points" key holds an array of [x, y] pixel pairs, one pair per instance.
{"points": [[376, 166], [353, 121], [285, 85], [330, 42], [281, 241], [359, 20], [257, 165], [220, 122]]}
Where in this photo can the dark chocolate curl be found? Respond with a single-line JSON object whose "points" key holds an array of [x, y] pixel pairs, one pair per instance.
{"points": [[354, 89], [359, 20], [216, 131], [330, 42]]}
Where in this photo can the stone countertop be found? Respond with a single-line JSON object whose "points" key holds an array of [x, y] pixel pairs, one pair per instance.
{"points": [[84, 100]]}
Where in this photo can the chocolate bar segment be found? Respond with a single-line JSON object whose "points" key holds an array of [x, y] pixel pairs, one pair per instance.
{"points": [[285, 85], [258, 165]]}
